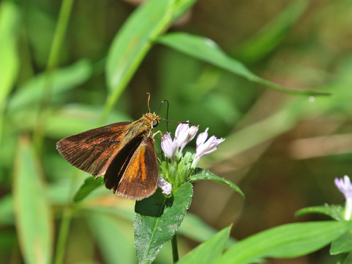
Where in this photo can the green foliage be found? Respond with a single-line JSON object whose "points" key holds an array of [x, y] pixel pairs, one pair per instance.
{"points": [[208, 251], [193, 227], [33, 214], [102, 58], [153, 228], [89, 185], [207, 175], [270, 36], [207, 50], [286, 241], [9, 66], [342, 245], [111, 234], [63, 80], [334, 211]]}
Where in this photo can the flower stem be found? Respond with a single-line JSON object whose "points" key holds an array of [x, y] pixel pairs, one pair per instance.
{"points": [[174, 249]]}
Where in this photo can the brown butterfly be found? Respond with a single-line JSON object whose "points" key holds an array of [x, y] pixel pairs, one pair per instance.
{"points": [[123, 152]]}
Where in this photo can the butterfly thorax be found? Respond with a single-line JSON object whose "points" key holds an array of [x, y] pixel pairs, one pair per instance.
{"points": [[144, 126]]}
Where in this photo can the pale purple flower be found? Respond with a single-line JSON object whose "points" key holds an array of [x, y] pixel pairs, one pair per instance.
{"points": [[164, 185], [184, 134], [168, 145], [345, 186], [205, 147]]}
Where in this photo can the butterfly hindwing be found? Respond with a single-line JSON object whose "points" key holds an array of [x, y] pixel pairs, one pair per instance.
{"points": [[136, 176]]}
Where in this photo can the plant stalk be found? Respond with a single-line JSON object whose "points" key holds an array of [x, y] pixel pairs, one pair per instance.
{"points": [[174, 249]]}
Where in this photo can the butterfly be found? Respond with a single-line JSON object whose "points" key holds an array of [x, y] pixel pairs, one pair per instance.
{"points": [[123, 152]]}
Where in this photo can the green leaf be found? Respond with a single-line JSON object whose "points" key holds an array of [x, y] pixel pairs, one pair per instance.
{"points": [[201, 174], [151, 232], [132, 42], [63, 79], [89, 185], [114, 237], [209, 251], [334, 211], [32, 211], [342, 244], [153, 205], [9, 18], [135, 39], [347, 260], [286, 241], [208, 51], [180, 7]]}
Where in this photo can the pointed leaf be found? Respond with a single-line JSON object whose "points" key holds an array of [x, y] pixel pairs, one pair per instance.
{"points": [[208, 51], [334, 211], [209, 251], [32, 210], [151, 232], [201, 174], [342, 244], [89, 185], [286, 241]]}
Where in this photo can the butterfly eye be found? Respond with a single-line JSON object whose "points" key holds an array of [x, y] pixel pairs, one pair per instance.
{"points": [[155, 123]]}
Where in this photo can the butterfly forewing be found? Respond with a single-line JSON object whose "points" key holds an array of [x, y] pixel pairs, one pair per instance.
{"points": [[93, 150], [137, 178]]}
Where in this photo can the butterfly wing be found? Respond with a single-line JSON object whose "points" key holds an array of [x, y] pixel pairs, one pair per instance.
{"points": [[134, 171], [92, 151]]}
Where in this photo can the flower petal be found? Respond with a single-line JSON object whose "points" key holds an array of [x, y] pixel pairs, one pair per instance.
{"points": [[184, 134], [202, 137], [345, 186], [209, 146], [168, 145]]}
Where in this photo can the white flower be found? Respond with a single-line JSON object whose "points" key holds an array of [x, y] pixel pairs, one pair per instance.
{"points": [[168, 145], [164, 185], [206, 147], [184, 134], [345, 186]]}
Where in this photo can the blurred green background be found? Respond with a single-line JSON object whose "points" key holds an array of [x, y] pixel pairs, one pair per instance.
{"points": [[283, 151]]}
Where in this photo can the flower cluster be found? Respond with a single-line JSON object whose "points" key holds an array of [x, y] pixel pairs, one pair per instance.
{"points": [[177, 166], [345, 186]]}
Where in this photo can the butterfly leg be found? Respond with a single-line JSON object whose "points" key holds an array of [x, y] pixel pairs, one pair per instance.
{"points": [[158, 132]]}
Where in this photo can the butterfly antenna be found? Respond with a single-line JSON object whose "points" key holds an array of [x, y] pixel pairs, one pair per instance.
{"points": [[148, 102], [167, 113]]}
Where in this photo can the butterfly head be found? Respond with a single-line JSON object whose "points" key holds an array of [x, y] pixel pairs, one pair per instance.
{"points": [[153, 119]]}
